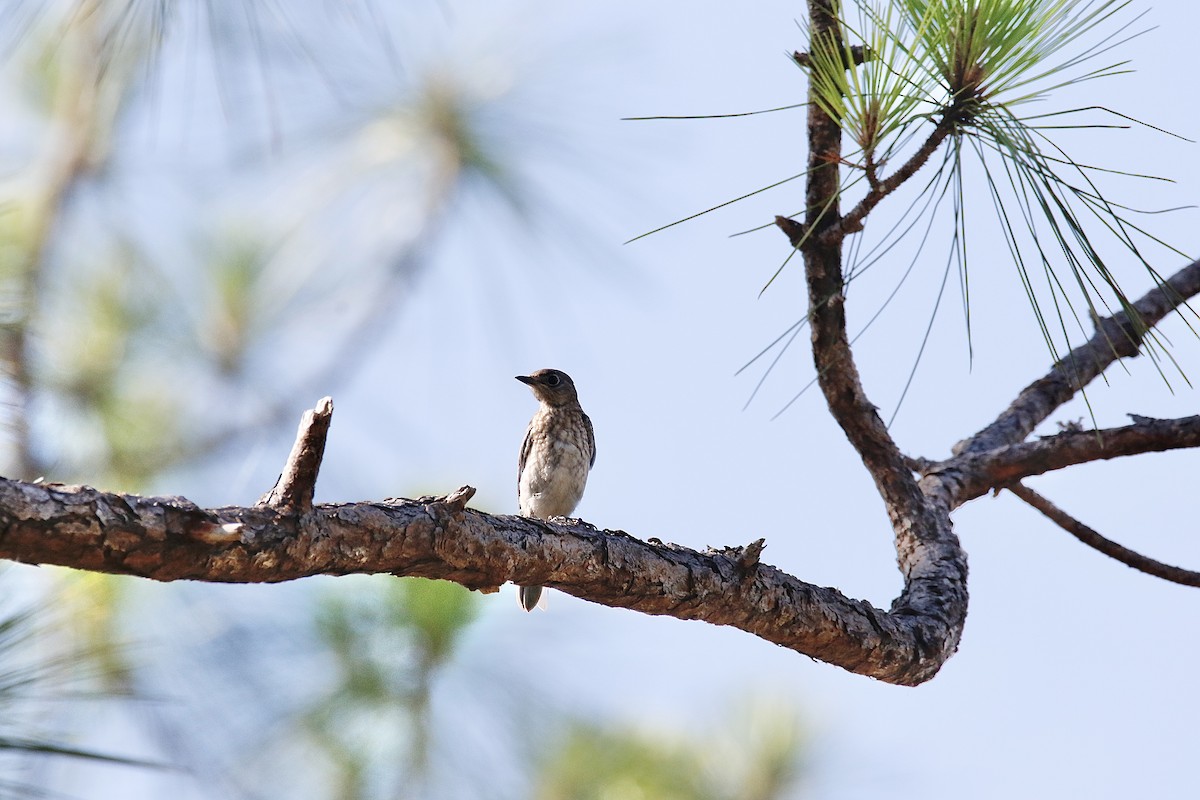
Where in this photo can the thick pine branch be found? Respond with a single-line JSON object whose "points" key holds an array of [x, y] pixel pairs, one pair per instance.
{"points": [[1006, 465], [169, 538], [1116, 337], [933, 602]]}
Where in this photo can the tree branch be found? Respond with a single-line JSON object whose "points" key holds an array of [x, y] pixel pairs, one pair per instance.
{"points": [[293, 491], [1106, 546], [169, 538], [934, 566], [980, 473], [852, 222], [858, 55], [1116, 337]]}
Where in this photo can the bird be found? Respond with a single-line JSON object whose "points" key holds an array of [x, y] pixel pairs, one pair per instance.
{"points": [[558, 451]]}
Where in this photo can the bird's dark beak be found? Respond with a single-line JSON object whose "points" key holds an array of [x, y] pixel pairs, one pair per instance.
{"points": [[528, 380]]}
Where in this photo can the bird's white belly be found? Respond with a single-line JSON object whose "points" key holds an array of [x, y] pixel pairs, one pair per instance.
{"points": [[553, 481]]}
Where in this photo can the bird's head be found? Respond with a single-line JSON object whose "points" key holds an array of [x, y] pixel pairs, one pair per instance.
{"points": [[551, 386]]}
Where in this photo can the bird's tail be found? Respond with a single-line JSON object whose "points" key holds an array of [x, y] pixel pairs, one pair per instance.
{"points": [[528, 596]]}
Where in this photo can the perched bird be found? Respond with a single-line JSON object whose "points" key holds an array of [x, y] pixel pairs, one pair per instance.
{"points": [[559, 449]]}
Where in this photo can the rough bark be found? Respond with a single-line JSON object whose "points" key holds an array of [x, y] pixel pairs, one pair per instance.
{"points": [[983, 472], [294, 490], [1116, 337], [168, 538]]}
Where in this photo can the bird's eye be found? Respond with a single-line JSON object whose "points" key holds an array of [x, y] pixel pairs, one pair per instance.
{"points": [[553, 380]]}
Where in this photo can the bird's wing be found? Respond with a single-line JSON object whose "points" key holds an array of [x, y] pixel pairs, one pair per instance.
{"points": [[591, 437], [526, 446]]}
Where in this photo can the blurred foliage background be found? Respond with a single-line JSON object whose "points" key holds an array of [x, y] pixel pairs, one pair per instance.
{"points": [[193, 194]]}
